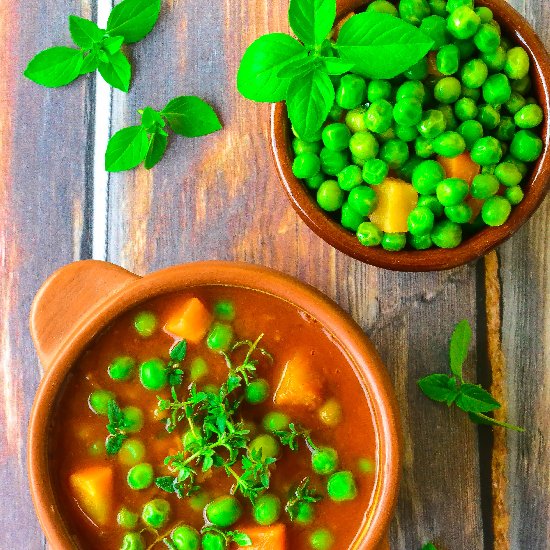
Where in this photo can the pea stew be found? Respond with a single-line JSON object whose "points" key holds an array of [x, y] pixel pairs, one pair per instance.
{"points": [[214, 419]]}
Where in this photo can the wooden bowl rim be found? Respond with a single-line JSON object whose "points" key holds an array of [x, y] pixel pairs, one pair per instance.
{"points": [[472, 248]]}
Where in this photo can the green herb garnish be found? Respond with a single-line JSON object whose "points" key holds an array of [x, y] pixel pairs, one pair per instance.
{"points": [[471, 398], [174, 368], [98, 49], [238, 537], [117, 426], [189, 116], [290, 438], [429, 546], [302, 494]]}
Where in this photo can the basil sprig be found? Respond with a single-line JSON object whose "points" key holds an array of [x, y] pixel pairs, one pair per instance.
{"points": [[471, 398], [98, 49], [277, 67], [189, 116]]}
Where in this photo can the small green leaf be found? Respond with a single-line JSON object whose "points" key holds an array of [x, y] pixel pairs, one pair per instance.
{"points": [[473, 398], [85, 33], [157, 147], [310, 98], [179, 351], [126, 149], [257, 76], [439, 387], [312, 20], [485, 420], [460, 343], [299, 66], [151, 119], [166, 483], [241, 539], [133, 19], [55, 67], [91, 63], [112, 44], [429, 546], [336, 66], [191, 116], [117, 71]]}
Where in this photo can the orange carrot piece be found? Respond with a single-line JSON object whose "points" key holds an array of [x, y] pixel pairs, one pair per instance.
{"points": [[462, 167], [272, 537], [93, 490], [191, 323]]}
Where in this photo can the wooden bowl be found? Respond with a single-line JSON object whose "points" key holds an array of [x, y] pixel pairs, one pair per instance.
{"points": [[472, 248], [80, 300]]}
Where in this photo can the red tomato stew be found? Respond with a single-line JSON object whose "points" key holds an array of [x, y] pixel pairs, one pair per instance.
{"points": [[213, 419]]}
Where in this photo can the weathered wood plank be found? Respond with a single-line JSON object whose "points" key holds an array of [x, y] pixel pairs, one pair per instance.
{"points": [[43, 159]]}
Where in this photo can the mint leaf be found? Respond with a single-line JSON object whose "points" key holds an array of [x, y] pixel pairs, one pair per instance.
{"points": [[117, 71], [157, 147], [191, 116], [179, 351], [312, 20], [85, 33], [112, 44], [458, 349], [126, 149], [257, 78], [133, 19], [381, 46], [55, 67], [310, 98], [473, 398], [90, 64], [439, 387], [479, 418]]}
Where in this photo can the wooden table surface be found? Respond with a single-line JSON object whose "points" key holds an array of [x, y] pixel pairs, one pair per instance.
{"points": [[218, 197]]}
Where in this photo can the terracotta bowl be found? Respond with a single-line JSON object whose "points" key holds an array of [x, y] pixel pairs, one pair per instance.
{"points": [[515, 26], [81, 299]]}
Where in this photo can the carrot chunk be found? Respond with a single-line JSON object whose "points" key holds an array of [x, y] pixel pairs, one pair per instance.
{"points": [[462, 167], [191, 322], [272, 537], [396, 200], [93, 490]]}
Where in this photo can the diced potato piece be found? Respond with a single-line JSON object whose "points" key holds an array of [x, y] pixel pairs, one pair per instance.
{"points": [[93, 490], [191, 323], [299, 384], [462, 167], [396, 200], [432, 65], [271, 537]]}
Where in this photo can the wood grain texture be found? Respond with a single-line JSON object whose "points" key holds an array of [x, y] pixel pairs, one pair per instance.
{"points": [[42, 226]]}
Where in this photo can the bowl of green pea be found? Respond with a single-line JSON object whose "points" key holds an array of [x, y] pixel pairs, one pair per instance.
{"points": [[437, 165]]}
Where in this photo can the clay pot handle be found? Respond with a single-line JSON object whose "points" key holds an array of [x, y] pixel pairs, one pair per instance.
{"points": [[66, 296]]}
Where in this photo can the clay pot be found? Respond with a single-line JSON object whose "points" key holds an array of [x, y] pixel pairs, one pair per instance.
{"points": [[472, 248], [81, 299]]}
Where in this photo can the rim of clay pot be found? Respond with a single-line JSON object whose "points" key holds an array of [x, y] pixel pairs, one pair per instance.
{"points": [[121, 290], [435, 259]]}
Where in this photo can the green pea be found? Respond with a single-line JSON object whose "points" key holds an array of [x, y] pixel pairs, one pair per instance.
{"points": [[305, 513], [156, 512], [153, 375], [329, 196], [438, 7], [315, 182], [448, 59], [467, 48], [447, 90], [220, 337], [486, 151], [275, 421], [406, 171], [98, 401], [423, 147], [223, 511], [406, 133], [375, 171], [526, 146], [394, 153], [198, 369], [497, 89], [452, 5], [449, 144], [420, 221], [449, 116], [452, 191], [378, 89], [484, 186], [522, 86], [471, 93], [394, 242], [356, 119], [363, 200], [379, 116], [529, 116], [352, 91], [132, 452], [413, 11], [197, 501], [418, 71], [432, 203], [321, 539], [508, 174], [487, 38], [257, 391], [369, 234], [384, 137], [122, 368], [432, 124], [422, 242], [463, 22], [474, 73], [133, 541], [145, 323], [350, 177], [407, 112], [336, 136], [366, 465], [184, 537], [521, 166], [333, 162], [267, 444], [126, 518], [435, 27], [300, 146], [496, 60], [495, 211], [306, 165], [466, 109], [363, 145], [426, 176], [134, 419], [446, 234], [213, 541], [382, 6], [350, 218], [140, 476], [459, 213], [489, 117], [517, 63], [266, 509], [324, 460], [471, 131], [341, 486], [336, 112], [97, 448], [514, 195], [506, 129], [412, 89]]}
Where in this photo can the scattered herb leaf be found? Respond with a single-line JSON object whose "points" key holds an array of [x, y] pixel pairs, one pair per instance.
{"points": [[290, 438], [460, 343], [238, 537], [133, 19], [302, 494], [429, 546], [312, 20], [116, 427]]}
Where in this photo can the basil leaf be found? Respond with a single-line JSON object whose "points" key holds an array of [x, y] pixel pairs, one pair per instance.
{"points": [[126, 149], [241, 539], [179, 351], [439, 387], [157, 147], [336, 66], [133, 19], [90, 64], [429, 546], [460, 344], [85, 33], [55, 67], [299, 66], [312, 20], [257, 78], [112, 44], [151, 119], [473, 398], [310, 98], [191, 116], [381, 46], [117, 71], [484, 420]]}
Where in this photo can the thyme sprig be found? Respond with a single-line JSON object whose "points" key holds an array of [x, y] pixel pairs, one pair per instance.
{"points": [[302, 494]]}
